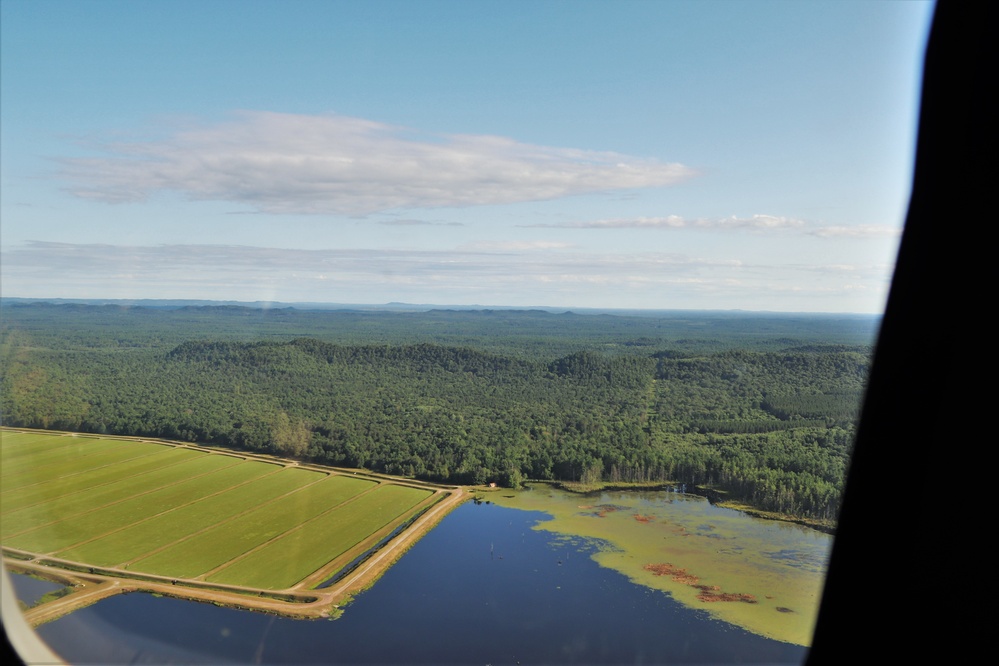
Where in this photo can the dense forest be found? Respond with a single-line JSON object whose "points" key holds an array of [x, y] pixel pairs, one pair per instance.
{"points": [[760, 406]]}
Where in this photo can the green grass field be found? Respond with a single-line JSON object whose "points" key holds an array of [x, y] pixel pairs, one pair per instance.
{"points": [[155, 508], [297, 554]]}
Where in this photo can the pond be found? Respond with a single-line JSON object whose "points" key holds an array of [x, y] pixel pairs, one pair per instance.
{"points": [[31, 590], [483, 587], [762, 575]]}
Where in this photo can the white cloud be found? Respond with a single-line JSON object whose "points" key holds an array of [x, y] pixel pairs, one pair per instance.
{"points": [[285, 163], [502, 246], [858, 231], [671, 221], [419, 223], [878, 272], [755, 223]]}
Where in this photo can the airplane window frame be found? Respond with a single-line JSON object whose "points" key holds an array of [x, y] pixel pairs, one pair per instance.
{"points": [[912, 395]]}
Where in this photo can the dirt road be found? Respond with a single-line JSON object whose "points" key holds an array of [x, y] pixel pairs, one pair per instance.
{"points": [[311, 603]]}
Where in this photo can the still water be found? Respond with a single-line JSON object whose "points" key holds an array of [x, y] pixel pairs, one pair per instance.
{"points": [[30, 590], [481, 588]]}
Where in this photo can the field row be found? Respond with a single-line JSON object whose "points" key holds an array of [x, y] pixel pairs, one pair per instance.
{"points": [[188, 513]]}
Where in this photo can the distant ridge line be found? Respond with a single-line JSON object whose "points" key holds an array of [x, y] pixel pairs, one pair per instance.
{"points": [[176, 304]]}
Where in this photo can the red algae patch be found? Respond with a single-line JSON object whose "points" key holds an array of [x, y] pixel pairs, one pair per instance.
{"points": [[601, 510], [737, 553], [713, 593], [663, 569], [709, 593], [676, 573]]}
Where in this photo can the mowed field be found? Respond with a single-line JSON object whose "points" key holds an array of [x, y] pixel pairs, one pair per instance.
{"points": [[189, 513]]}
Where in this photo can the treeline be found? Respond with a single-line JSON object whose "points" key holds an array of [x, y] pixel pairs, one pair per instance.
{"points": [[772, 428]]}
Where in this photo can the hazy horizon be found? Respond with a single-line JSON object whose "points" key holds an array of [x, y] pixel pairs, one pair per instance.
{"points": [[405, 306]]}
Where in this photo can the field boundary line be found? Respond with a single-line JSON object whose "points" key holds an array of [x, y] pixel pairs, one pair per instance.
{"points": [[350, 500], [366, 573], [167, 511], [86, 471], [110, 504], [291, 530], [222, 522], [337, 564], [99, 485], [367, 558], [313, 603]]}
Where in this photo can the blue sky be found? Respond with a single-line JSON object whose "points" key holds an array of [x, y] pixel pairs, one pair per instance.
{"points": [[650, 154]]}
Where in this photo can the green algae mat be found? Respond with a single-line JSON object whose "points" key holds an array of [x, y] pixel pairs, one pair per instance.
{"points": [[764, 576]]}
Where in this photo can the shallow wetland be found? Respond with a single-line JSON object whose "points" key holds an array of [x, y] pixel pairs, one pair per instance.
{"points": [[765, 576]]}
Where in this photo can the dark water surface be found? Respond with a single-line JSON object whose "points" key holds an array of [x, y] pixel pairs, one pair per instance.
{"points": [[30, 590], [481, 588]]}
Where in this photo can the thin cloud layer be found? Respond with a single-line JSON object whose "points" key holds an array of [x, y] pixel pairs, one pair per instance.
{"points": [[755, 222], [418, 223], [483, 260], [521, 246], [528, 275], [859, 231], [330, 164]]}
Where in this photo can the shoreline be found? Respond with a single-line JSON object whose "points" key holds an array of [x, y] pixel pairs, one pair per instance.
{"points": [[714, 563], [715, 496]]}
